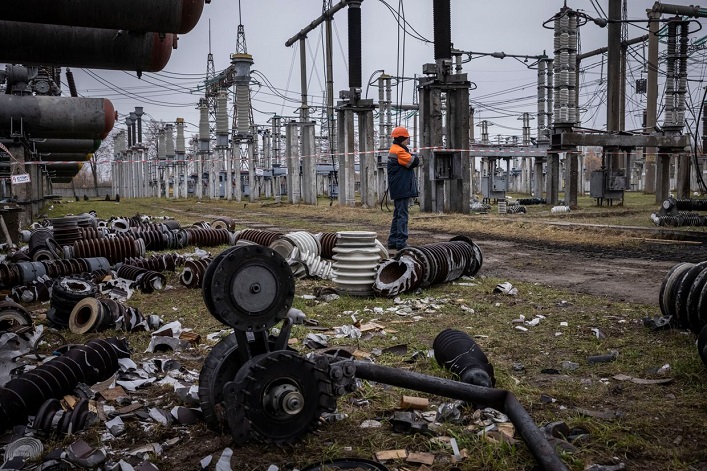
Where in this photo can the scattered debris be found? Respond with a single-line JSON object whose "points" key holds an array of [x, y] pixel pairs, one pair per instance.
{"points": [[594, 359], [623, 377], [506, 288]]}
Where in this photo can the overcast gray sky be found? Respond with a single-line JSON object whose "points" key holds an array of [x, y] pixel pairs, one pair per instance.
{"points": [[504, 88]]}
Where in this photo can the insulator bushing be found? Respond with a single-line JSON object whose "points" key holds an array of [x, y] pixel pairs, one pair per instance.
{"points": [[115, 249], [89, 315], [147, 280], [459, 353], [354, 19], [327, 241], [12, 315], [429, 264], [193, 273], [66, 293], [260, 237], [356, 256], [208, 237], [95, 361], [224, 222], [37, 290], [161, 262], [442, 26]]}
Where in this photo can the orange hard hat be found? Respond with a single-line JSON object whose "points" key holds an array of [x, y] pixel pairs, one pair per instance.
{"points": [[400, 132]]}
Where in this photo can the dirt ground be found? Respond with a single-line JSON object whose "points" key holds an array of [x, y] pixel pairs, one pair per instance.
{"points": [[623, 275], [620, 275]]}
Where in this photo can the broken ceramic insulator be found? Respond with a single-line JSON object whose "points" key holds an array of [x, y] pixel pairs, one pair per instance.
{"points": [[459, 353], [95, 361]]}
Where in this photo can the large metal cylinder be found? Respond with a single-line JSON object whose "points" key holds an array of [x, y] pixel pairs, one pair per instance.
{"points": [[72, 46], [56, 117], [67, 145], [164, 16], [65, 157]]}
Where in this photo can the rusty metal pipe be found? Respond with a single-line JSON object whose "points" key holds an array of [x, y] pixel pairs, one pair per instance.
{"points": [[499, 399], [164, 16], [75, 46]]}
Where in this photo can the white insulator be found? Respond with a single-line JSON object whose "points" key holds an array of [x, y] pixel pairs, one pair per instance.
{"points": [[572, 24], [283, 246], [564, 60], [572, 79], [556, 42], [502, 207], [560, 209], [204, 121], [565, 78], [382, 250], [564, 23], [120, 225], [668, 120], [180, 136], [356, 257], [222, 112], [557, 25], [161, 149], [169, 140], [355, 239], [243, 109], [304, 241], [564, 41], [680, 117], [563, 96], [562, 118], [572, 114]]}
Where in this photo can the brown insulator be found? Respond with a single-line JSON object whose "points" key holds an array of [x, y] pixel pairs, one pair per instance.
{"points": [[224, 222], [327, 240], [89, 315], [260, 237], [90, 233], [193, 273], [13, 315], [397, 276]]}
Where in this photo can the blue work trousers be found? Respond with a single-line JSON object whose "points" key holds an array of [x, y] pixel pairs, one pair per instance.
{"points": [[399, 227]]}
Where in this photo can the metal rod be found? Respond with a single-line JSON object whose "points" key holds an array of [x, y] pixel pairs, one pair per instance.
{"points": [[327, 14], [499, 399]]}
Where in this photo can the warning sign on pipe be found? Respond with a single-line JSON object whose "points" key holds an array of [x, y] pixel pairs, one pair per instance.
{"points": [[18, 179]]}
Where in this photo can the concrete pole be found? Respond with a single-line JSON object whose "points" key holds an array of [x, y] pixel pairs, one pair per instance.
{"points": [[331, 115], [652, 100], [252, 190], [293, 164], [367, 159]]}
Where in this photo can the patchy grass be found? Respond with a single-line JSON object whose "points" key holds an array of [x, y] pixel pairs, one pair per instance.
{"points": [[650, 426]]}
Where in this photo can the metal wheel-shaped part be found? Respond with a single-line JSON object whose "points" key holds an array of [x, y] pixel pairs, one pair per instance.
{"points": [[252, 288], [207, 280], [277, 397], [221, 365]]}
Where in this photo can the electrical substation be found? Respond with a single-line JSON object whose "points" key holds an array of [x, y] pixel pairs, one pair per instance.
{"points": [[258, 382], [338, 152]]}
